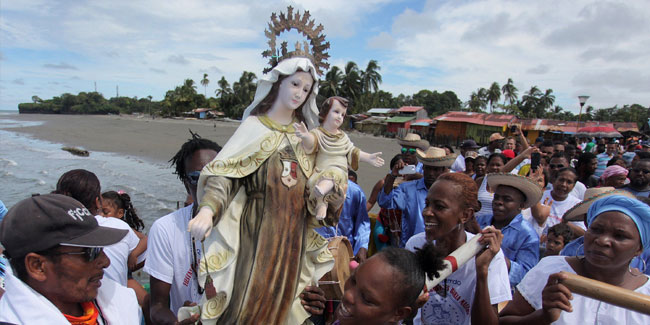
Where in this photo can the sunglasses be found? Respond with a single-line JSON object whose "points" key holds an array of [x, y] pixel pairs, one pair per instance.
{"points": [[193, 177], [641, 171], [551, 166], [408, 150], [91, 253]]}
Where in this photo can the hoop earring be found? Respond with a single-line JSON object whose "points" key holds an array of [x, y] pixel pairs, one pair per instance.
{"points": [[645, 266]]}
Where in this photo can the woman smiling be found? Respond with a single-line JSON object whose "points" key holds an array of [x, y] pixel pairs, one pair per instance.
{"points": [[464, 295]]}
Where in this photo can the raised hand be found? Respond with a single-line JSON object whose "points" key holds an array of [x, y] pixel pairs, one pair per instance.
{"points": [[301, 130], [492, 237]]}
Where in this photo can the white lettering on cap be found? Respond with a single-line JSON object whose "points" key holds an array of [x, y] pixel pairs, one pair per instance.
{"points": [[79, 213]]}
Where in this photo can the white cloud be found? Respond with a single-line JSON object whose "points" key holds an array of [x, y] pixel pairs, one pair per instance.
{"points": [[571, 47]]}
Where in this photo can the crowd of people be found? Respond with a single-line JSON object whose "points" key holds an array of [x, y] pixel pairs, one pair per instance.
{"points": [[252, 242]]}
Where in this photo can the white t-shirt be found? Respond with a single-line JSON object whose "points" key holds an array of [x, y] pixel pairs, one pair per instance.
{"points": [[459, 164], [118, 253], [169, 257], [455, 307], [585, 310], [558, 208]]}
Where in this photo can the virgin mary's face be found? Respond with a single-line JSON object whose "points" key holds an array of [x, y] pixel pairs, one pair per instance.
{"points": [[294, 90]]}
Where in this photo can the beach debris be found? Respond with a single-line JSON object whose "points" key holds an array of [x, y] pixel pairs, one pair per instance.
{"points": [[77, 151]]}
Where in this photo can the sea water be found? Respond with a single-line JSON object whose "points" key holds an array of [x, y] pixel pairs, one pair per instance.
{"points": [[29, 166]]}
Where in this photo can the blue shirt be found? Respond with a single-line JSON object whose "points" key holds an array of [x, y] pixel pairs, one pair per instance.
{"points": [[603, 159], [408, 197], [3, 210], [353, 222], [419, 168], [576, 248], [520, 245]]}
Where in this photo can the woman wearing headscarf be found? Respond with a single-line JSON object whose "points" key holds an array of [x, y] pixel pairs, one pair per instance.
{"points": [[614, 176], [619, 230]]}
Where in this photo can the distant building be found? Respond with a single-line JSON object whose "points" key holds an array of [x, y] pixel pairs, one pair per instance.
{"points": [[381, 111], [417, 111], [395, 123], [200, 113], [453, 127]]}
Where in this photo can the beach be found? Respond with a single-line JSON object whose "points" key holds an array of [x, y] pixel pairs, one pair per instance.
{"points": [[157, 140]]}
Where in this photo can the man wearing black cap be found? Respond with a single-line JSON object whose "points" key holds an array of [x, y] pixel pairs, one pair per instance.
{"points": [[54, 245], [459, 164]]}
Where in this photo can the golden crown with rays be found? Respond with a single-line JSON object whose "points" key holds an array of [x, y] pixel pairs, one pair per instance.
{"points": [[318, 51]]}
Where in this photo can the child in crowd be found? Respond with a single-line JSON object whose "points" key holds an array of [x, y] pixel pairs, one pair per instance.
{"points": [[335, 152], [387, 287], [118, 205], [558, 236]]}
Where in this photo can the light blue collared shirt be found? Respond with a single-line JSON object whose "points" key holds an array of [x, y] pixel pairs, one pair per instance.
{"points": [[520, 245], [408, 197], [353, 222]]}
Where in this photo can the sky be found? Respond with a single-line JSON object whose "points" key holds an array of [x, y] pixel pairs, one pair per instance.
{"points": [[143, 48]]}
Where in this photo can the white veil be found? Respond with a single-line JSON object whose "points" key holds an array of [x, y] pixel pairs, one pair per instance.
{"points": [[289, 67]]}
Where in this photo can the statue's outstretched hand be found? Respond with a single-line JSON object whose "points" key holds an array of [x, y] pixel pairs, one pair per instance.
{"points": [[201, 225], [376, 160], [301, 130]]}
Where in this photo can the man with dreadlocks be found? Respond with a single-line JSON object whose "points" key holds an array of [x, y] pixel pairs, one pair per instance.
{"points": [[172, 255]]}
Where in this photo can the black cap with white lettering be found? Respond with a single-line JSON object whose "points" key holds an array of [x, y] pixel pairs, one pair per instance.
{"points": [[44, 221]]}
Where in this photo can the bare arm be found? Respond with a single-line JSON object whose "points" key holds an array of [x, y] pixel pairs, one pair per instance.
{"points": [[514, 162], [481, 307], [374, 194], [389, 180], [577, 231], [308, 139], [524, 142], [137, 251], [540, 212], [556, 298], [160, 312]]}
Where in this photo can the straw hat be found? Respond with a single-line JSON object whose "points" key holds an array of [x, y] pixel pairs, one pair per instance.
{"points": [[471, 154], [436, 157], [496, 136], [531, 190], [413, 140], [578, 212]]}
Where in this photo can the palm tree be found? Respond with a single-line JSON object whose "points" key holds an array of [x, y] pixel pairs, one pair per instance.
{"points": [[530, 102], [509, 92], [493, 95], [370, 78], [224, 88], [477, 100], [547, 99], [204, 83], [332, 83], [351, 85]]}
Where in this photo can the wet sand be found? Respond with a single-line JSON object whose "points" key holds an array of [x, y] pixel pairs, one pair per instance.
{"points": [[158, 140]]}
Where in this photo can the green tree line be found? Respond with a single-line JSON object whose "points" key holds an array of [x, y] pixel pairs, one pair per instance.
{"points": [[535, 103], [361, 86]]}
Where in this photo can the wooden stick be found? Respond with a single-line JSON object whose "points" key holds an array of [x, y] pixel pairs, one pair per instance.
{"points": [[608, 293], [457, 259]]}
